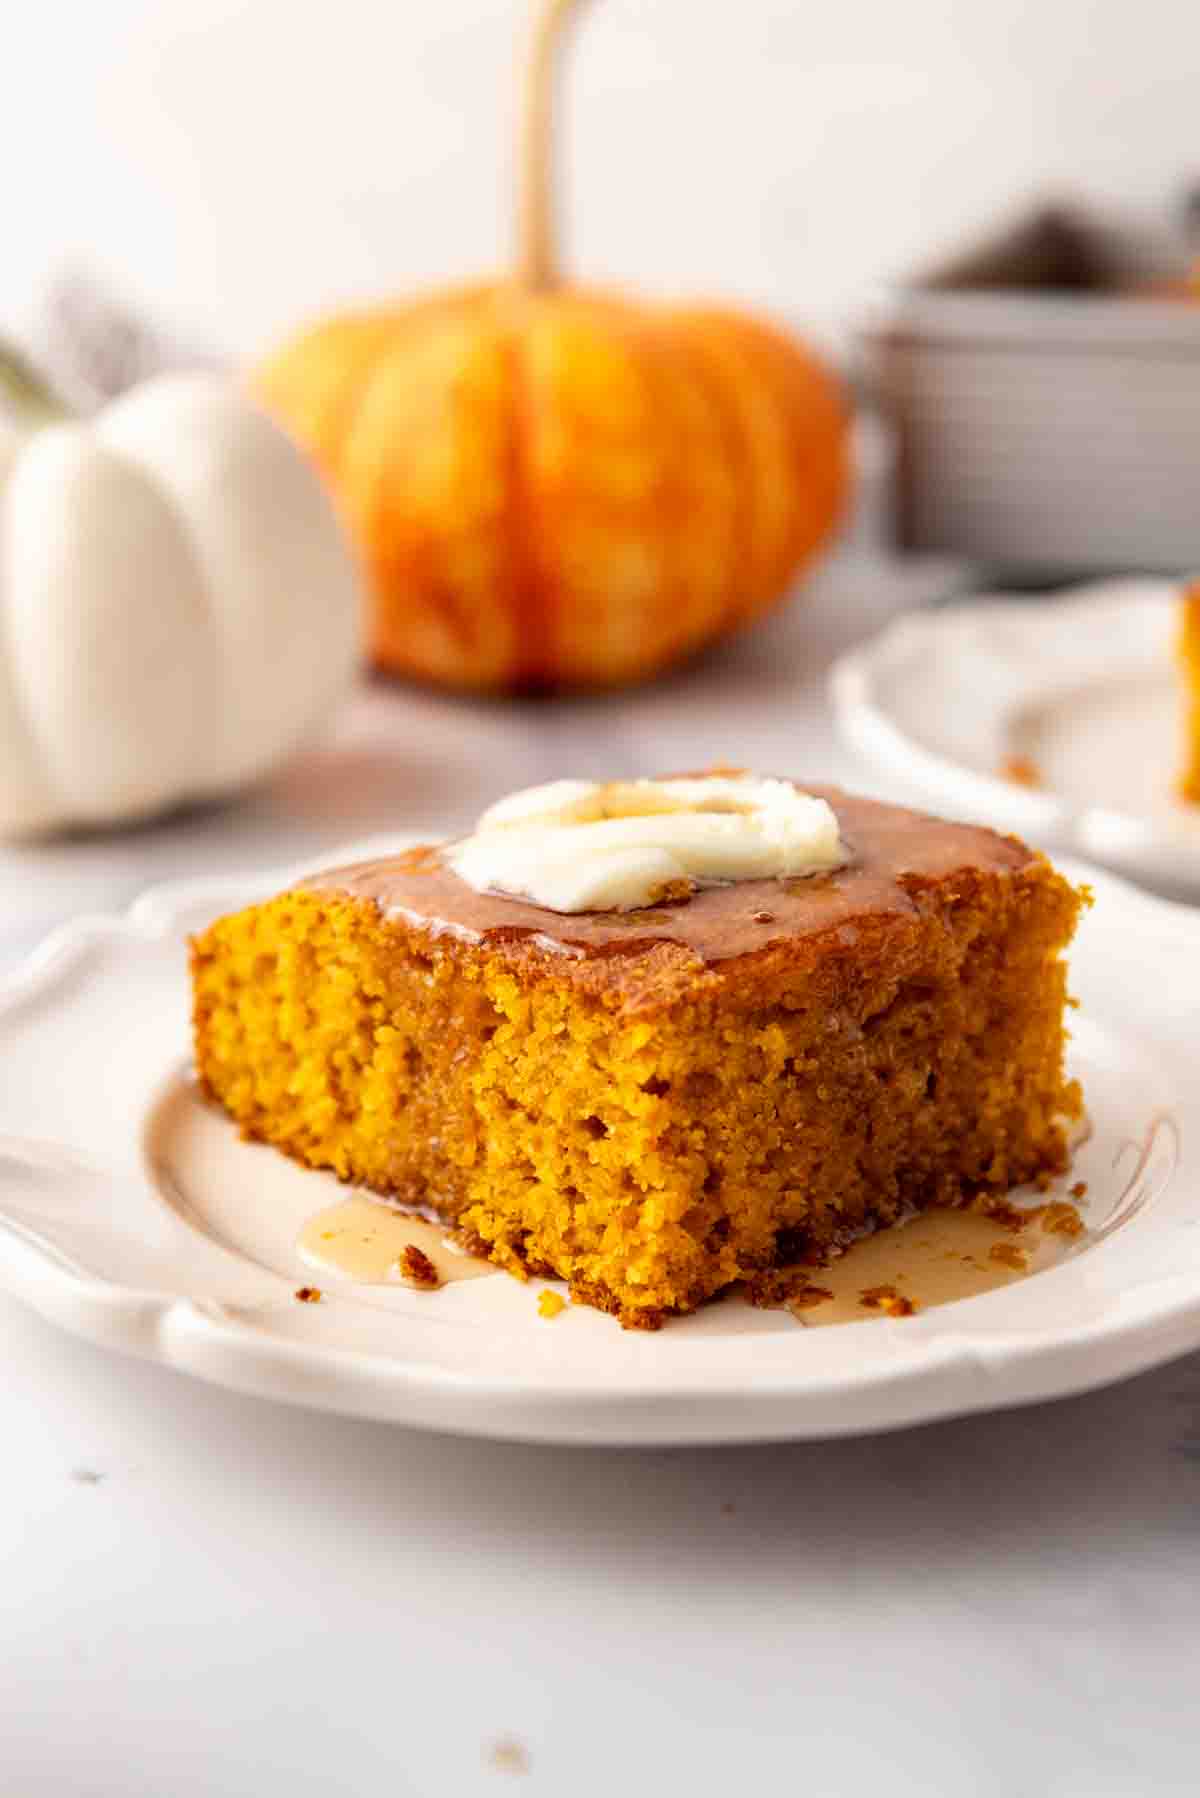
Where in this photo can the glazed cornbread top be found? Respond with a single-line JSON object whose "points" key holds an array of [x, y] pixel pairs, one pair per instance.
{"points": [[892, 854], [582, 845]]}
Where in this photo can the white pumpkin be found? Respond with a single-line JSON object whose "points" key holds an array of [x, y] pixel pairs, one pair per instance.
{"points": [[178, 607]]}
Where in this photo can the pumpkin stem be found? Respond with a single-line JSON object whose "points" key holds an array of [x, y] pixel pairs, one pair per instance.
{"points": [[25, 394], [536, 261]]}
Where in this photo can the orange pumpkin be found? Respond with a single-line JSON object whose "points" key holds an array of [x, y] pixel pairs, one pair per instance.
{"points": [[553, 486]]}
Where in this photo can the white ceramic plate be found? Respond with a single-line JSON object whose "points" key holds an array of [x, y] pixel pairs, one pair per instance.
{"points": [[93, 1031], [1082, 687]]}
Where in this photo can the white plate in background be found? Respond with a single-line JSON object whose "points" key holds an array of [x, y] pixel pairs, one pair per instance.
{"points": [[1082, 687], [95, 1027]]}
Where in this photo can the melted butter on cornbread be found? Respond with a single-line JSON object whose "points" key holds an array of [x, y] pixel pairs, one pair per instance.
{"points": [[892, 856], [581, 846]]}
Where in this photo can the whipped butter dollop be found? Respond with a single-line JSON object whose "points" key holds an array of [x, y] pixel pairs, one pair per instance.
{"points": [[580, 845]]}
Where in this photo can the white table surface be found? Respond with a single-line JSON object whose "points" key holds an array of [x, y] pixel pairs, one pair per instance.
{"points": [[204, 1594]]}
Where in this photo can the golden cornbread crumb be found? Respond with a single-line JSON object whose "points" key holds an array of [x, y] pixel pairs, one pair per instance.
{"points": [[886, 1299], [417, 1269], [550, 1303], [1009, 1255], [1009, 1217], [1060, 1219], [1021, 770], [643, 1125], [779, 1286], [309, 1295]]}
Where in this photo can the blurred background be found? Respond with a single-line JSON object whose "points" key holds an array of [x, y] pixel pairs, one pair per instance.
{"points": [[193, 180], [234, 168]]}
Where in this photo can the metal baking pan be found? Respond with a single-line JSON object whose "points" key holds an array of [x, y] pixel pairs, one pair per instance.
{"points": [[1044, 393]]}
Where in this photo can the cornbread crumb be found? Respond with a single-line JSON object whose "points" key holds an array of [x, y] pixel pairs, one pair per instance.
{"points": [[806, 1297], [550, 1303], [777, 1286], [509, 1756], [309, 1295], [1009, 1217], [1079, 1190], [1009, 1255], [417, 1269], [1060, 1219], [887, 1300], [1022, 770]]}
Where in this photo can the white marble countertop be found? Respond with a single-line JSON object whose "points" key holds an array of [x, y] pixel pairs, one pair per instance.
{"points": [[203, 1594]]}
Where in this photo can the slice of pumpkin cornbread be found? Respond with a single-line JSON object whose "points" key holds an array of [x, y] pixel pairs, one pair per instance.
{"points": [[654, 1103]]}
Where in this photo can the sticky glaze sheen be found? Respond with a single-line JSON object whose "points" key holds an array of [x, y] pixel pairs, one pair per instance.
{"points": [[362, 1238], [892, 851]]}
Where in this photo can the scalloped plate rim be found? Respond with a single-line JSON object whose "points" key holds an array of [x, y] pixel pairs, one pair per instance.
{"points": [[1124, 841], [938, 1375]]}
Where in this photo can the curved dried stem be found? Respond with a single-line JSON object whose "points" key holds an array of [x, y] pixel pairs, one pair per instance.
{"points": [[537, 265], [26, 397]]}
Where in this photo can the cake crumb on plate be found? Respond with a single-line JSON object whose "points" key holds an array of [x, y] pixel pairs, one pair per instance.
{"points": [[888, 1300], [509, 1756], [1060, 1219], [1022, 770], [805, 1297], [416, 1269]]}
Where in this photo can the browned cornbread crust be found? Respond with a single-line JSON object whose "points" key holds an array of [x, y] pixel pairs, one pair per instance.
{"points": [[654, 1104]]}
